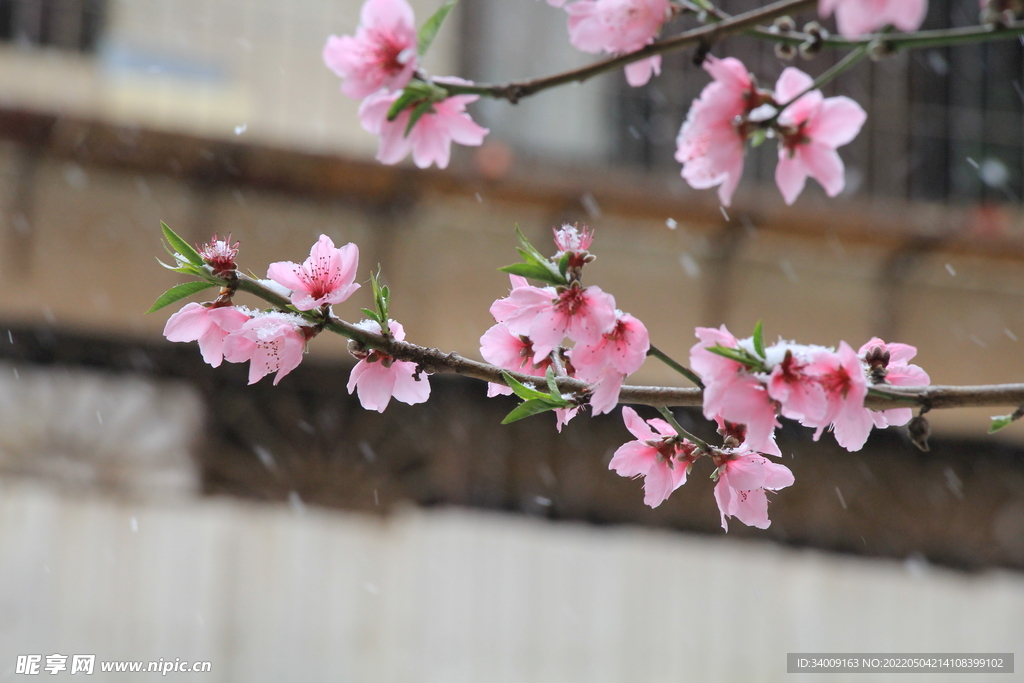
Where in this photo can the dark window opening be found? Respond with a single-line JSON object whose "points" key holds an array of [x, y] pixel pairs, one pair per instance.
{"points": [[65, 24]]}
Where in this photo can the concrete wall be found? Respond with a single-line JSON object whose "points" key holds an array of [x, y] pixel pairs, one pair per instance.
{"points": [[268, 593]]}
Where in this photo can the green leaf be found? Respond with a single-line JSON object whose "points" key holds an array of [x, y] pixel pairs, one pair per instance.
{"points": [[528, 409], [381, 300], [181, 246], [533, 271], [429, 30], [1001, 421], [521, 390], [758, 137], [738, 355], [529, 247], [372, 315], [759, 339], [179, 292], [186, 269], [417, 113], [552, 385]]}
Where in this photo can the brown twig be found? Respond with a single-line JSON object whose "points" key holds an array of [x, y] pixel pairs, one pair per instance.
{"points": [[704, 35], [436, 361]]}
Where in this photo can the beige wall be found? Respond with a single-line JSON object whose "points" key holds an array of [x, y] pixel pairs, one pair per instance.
{"points": [[87, 261], [206, 67]]}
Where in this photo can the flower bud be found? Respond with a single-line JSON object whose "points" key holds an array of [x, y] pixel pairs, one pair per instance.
{"points": [[920, 430], [785, 24], [785, 51]]}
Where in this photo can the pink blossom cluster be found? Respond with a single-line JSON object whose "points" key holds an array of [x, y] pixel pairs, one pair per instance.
{"points": [[664, 458], [533, 323], [375, 65], [818, 386], [732, 109], [274, 341], [271, 341]]}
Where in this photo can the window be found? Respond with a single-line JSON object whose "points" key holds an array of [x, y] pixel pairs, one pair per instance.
{"points": [[66, 24]]}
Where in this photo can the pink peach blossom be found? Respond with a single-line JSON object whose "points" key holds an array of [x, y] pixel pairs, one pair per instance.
{"points": [[271, 342], [606, 387], [811, 130], [897, 372], [498, 346], [522, 305], [732, 393], [609, 360], [563, 415], [572, 238], [858, 17], [582, 314], [219, 254], [431, 136], [326, 277], [378, 378], [656, 455], [742, 481], [710, 143], [798, 392], [208, 326], [382, 54], [618, 27], [842, 377]]}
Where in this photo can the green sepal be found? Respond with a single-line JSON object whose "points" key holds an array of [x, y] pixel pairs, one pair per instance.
{"points": [[183, 248], [758, 137], [759, 339], [404, 101], [178, 292], [417, 113], [563, 264], [429, 30]]}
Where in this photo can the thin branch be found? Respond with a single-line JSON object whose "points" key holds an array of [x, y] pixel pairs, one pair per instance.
{"points": [[704, 35], [838, 68], [667, 414], [436, 361], [896, 42], [742, 23], [675, 365]]}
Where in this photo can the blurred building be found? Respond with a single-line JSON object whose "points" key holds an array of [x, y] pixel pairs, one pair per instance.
{"points": [[219, 116]]}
